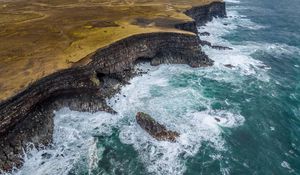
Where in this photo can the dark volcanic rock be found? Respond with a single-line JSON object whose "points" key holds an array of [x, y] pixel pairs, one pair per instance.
{"points": [[206, 13], [157, 48], [217, 119], [201, 15], [221, 47], [263, 67], [190, 26], [204, 34], [155, 129], [229, 66], [207, 43]]}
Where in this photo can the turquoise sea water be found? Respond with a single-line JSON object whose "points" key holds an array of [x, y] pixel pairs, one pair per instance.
{"points": [[257, 103]]}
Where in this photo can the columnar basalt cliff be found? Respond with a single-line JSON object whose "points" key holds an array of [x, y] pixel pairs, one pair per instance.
{"points": [[28, 116], [203, 14]]}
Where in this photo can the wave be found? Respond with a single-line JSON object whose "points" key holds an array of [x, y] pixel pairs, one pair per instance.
{"points": [[173, 106], [74, 143], [241, 55], [73, 140]]}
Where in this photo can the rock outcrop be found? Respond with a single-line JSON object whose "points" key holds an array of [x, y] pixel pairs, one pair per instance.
{"points": [[204, 34], [155, 129], [221, 47], [203, 14], [217, 47], [190, 26], [230, 66]]}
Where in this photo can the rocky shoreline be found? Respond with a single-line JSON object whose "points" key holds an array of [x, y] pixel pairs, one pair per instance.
{"points": [[28, 116]]}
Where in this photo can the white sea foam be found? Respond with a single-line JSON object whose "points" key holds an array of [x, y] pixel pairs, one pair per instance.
{"points": [[73, 140], [233, 1], [286, 165], [240, 55], [74, 131], [169, 109], [277, 49]]}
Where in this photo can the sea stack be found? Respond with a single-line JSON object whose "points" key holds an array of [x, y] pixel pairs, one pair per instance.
{"points": [[156, 130]]}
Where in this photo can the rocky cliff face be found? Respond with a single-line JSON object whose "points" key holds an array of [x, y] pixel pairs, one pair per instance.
{"points": [[203, 14], [206, 13], [28, 117]]}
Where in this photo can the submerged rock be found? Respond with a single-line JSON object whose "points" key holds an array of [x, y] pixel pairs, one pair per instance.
{"points": [[217, 119], [229, 66], [217, 47], [263, 66], [155, 129], [205, 43], [204, 34], [221, 47]]}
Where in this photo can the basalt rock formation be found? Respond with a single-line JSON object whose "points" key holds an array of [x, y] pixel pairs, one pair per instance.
{"points": [[28, 116], [203, 14], [217, 47], [155, 129], [204, 34], [230, 66]]}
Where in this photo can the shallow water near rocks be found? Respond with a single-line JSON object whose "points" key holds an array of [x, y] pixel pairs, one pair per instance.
{"points": [[239, 120]]}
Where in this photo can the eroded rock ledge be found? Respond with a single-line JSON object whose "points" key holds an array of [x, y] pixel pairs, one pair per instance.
{"points": [[28, 116], [203, 14]]}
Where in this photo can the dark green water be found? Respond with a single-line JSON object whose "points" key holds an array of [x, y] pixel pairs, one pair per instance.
{"points": [[257, 103]]}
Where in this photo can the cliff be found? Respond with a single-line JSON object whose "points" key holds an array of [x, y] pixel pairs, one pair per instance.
{"points": [[28, 116], [205, 13]]}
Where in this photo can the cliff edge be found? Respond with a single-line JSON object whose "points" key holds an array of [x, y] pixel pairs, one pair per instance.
{"points": [[83, 85]]}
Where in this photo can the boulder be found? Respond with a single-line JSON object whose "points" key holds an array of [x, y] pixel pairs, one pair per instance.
{"points": [[221, 47], [229, 66], [156, 130], [204, 34]]}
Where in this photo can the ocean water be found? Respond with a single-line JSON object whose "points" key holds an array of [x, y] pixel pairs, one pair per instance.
{"points": [[257, 104]]}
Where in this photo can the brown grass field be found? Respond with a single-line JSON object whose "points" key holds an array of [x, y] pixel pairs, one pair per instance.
{"points": [[39, 37]]}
